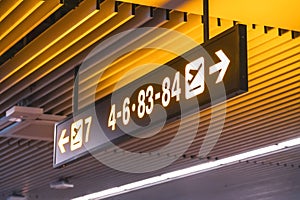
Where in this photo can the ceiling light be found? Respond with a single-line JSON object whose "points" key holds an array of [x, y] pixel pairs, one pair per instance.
{"points": [[16, 197], [60, 185], [190, 171], [15, 119]]}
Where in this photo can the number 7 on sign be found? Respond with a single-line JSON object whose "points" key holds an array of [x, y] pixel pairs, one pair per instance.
{"points": [[77, 132], [194, 78]]}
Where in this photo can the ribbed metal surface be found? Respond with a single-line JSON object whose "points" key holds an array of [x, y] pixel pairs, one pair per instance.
{"points": [[267, 114], [254, 179], [18, 18]]}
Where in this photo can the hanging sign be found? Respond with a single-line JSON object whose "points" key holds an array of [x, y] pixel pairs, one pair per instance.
{"points": [[197, 75]]}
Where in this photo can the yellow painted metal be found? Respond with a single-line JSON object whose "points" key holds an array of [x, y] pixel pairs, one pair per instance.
{"points": [[264, 38], [18, 15], [272, 56], [124, 14], [7, 6], [129, 62], [280, 48], [108, 8], [28, 24], [48, 38], [191, 28], [254, 32], [176, 20], [277, 68], [278, 13]]}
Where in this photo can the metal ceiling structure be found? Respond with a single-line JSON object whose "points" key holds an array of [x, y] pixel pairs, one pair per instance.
{"points": [[40, 74]]}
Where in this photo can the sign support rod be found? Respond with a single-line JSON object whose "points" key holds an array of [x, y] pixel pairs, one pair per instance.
{"points": [[75, 91], [205, 20]]}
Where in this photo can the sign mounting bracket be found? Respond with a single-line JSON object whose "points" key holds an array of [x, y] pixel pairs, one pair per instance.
{"points": [[205, 20]]}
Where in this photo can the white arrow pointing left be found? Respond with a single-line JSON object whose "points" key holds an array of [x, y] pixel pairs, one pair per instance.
{"points": [[62, 141], [221, 66]]}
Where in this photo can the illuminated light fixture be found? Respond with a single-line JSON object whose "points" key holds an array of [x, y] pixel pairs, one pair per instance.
{"points": [[61, 185], [28, 24], [48, 38], [18, 15], [28, 123], [16, 197], [7, 7], [190, 171], [15, 119]]}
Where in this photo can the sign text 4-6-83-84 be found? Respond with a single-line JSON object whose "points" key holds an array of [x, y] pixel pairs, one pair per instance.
{"points": [[217, 64]]}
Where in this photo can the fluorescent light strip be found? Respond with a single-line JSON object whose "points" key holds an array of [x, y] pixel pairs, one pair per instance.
{"points": [[189, 171]]}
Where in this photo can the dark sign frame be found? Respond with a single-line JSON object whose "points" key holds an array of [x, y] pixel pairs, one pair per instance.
{"points": [[234, 43]]}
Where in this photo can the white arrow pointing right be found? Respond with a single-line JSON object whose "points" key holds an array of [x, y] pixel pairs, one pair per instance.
{"points": [[221, 66], [62, 141]]}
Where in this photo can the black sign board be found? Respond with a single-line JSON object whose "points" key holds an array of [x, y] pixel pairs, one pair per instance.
{"points": [[196, 76]]}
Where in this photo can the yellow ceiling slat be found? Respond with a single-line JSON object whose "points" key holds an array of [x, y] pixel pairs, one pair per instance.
{"points": [[176, 20], [252, 105], [254, 32], [262, 125], [142, 14], [264, 38], [205, 120], [269, 111], [254, 117], [275, 43], [18, 15], [231, 122], [284, 88], [281, 67], [264, 57], [225, 24], [7, 6], [162, 40], [122, 17], [52, 35], [159, 19], [256, 105], [269, 115], [124, 14], [248, 12], [285, 75], [285, 131], [234, 123], [107, 92], [108, 11], [139, 57], [281, 86], [37, 17], [189, 29]]}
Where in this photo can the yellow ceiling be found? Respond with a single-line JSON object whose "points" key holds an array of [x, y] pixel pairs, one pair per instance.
{"points": [[278, 13]]}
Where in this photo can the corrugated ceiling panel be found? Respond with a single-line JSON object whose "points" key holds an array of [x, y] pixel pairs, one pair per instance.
{"points": [[267, 114]]}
